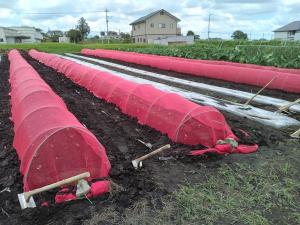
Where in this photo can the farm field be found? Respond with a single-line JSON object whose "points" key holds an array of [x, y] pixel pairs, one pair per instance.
{"points": [[270, 53], [259, 188]]}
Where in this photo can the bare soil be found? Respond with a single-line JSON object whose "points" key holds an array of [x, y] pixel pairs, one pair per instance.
{"points": [[119, 134]]}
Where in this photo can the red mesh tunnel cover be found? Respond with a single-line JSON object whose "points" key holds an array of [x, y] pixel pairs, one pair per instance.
{"points": [[51, 143], [286, 79], [182, 120]]}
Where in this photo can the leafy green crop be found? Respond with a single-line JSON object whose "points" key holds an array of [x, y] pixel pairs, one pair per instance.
{"points": [[269, 53]]}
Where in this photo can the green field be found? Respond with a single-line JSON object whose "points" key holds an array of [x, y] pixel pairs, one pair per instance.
{"points": [[269, 53]]}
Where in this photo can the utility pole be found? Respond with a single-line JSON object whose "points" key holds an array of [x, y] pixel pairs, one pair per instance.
{"points": [[208, 28], [106, 19]]}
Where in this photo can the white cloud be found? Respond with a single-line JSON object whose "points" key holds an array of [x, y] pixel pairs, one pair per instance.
{"points": [[4, 13], [255, 16], [33, 4]]}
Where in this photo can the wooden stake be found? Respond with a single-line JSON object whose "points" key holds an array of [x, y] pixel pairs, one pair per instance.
{"points": [[286, 107], [138, 162], [250, 100], [28, 194]]}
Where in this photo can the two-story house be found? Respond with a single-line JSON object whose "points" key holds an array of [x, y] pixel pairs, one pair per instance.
{"points": [[156, 25]]}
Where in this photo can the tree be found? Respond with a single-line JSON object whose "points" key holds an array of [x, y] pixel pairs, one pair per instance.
{"points": [[112, 33], [83, 27], [126, 37], [197, 37], [102, 33], [96, 37], [190, 33], [74, 35], [239, 35]]}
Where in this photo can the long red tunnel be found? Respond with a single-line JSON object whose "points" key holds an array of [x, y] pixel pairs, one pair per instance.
{"points": [[51, 143], [182, 120], [284, 79]]}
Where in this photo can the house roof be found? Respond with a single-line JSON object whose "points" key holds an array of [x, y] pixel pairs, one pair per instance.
{"points": [[144, 18], [13, 33], [28, 32], [289, 27]]}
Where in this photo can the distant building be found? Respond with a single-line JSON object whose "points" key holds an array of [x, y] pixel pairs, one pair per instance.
{"points": [[64, 39], [11, 36], [290, 31], [113, 35], [175, 40], [156, 25], [35, 35], [58, 33]]}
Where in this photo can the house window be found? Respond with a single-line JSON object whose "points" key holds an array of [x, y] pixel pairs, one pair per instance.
{"points": [[162, 13], [133, 27], [162, 25], [152, 25], [1, 40], [144, 40], [171, 25], [139, 26], [291, 33]]}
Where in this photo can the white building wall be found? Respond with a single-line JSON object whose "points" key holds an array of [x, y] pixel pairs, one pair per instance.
{"points": [[31, 40], [138, 29], [151, 38], [280, 35], [175, 40], [35, 37], [170, 25], [2, 36], [297, 36], [284, 36], [64, 39], [10, 40]]}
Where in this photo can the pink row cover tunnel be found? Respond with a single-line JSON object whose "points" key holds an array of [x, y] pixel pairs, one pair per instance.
{"points": [[284, 79], [50, 142], [182, 120]]}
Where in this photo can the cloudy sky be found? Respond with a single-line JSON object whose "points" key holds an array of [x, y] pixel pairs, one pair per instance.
{"points": [[258, 17]]}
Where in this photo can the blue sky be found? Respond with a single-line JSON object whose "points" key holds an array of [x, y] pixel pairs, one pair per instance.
{"points": [[258, 17]]}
